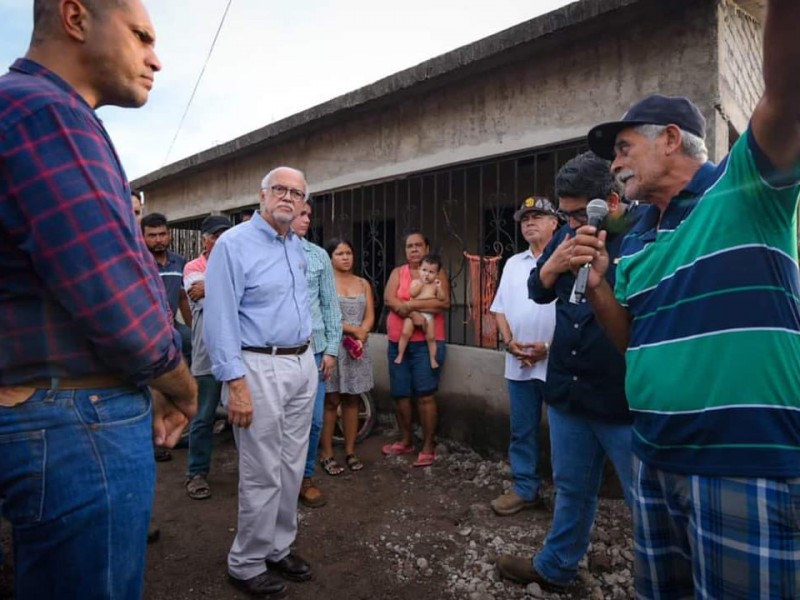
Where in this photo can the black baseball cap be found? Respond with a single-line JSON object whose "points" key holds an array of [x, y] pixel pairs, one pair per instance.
{"points": [[653, 110], [215, 223]]}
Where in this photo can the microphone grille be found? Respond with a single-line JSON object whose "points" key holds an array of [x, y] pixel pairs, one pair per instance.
{"points": [[597, 209]]}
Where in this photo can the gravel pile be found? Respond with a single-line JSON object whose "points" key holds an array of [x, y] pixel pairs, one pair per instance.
{"points": [[463, 551]]}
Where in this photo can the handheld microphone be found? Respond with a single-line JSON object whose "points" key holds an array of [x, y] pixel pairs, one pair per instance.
{"points": [[596, 211]]}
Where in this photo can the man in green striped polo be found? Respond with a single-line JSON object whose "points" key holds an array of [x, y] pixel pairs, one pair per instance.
{"points": [[706, 307]]}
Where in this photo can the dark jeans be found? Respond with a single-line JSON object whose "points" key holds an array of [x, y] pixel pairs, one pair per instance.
{"points": [[316, 422], [201, 429], [77, 477], [186, 341]]}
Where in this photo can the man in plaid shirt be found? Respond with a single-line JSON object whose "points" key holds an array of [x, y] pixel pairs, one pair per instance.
{"points": [[84, 318], [326, 317]]}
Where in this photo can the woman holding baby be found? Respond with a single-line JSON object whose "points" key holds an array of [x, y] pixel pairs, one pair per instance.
{"points": [[414, 374]]}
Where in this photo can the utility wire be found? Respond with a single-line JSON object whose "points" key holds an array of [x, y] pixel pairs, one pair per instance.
{"points": [[197, 83]]}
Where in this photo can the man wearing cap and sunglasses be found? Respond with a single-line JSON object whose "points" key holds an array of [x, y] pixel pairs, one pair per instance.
{"points": [[209, 388], [527, 330], [257, 330], [706, 307], [585, 393]]}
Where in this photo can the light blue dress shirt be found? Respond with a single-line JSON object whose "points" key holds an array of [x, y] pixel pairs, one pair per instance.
{"points": [[256, 295]]}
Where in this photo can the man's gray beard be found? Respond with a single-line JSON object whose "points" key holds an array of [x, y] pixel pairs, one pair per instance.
{"points": [[281, 217]]}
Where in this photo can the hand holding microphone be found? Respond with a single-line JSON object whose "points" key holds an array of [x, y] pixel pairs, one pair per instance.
{"points": [[596, 211]]}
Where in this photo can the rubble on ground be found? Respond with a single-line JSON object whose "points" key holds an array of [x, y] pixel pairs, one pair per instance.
{"points": [[464, 554]]}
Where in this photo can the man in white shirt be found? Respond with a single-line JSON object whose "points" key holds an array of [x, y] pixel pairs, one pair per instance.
{"points": [[527, 329]]}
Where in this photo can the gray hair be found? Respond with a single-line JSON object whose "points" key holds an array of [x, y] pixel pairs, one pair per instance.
{"points": [[691, 144], [268, 177]]}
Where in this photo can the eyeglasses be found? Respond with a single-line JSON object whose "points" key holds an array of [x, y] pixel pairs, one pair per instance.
{"points": [[579, 215], [281, 190]]}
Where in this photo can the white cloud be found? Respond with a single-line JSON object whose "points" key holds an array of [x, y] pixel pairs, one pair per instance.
{"points": [[273, 60]]}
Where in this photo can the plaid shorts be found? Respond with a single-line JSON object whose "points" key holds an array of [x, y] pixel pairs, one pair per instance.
{"points": [[715, 537]]}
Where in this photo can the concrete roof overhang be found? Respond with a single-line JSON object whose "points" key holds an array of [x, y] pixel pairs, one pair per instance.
{"points": [[500, 48]]}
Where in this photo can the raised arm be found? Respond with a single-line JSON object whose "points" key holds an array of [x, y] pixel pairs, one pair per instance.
{"points": [[551, 264], [612, 316], [557, 263], [440, 295], [776, 120]]}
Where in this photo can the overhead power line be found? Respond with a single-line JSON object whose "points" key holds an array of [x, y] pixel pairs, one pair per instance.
{"points": [[197, 83]]}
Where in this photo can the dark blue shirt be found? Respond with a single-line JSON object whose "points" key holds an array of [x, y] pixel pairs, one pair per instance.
{"points": [[172, 275], [585, 372]]}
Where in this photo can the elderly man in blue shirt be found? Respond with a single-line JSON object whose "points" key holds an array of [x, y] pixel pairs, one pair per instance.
{"points": [[257, 330]]}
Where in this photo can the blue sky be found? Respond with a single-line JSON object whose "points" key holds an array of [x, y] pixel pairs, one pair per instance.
{"points": [[272, 59]]}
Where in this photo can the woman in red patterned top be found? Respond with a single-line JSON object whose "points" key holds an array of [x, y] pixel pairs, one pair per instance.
{"points": [[414, 377]]}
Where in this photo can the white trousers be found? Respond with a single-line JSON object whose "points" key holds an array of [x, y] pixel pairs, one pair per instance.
{"points": [[272, 455]]}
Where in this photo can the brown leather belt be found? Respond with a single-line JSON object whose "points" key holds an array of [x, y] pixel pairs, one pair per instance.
{"points": [[276, 351], [87, 382]]}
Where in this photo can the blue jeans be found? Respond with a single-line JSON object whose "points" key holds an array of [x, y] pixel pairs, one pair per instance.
{"points": [[579, 447], [201, 428], [316, 422], [186, 341], [523, 452], [77, 476]]}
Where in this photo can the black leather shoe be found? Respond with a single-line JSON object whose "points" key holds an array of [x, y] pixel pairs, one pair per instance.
{"points": [[291, 567], [263, 585]]}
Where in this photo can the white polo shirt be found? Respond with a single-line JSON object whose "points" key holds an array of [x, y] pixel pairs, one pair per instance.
{"points": [[529, 322]]}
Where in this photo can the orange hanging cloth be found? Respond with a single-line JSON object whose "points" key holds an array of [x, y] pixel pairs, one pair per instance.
{"points": [[483, 276]]}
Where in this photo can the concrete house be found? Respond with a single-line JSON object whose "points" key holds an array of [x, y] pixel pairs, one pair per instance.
{"points": [[452, 145]]}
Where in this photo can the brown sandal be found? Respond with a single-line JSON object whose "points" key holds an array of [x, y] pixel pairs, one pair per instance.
{"points": [[197, 488], [331, 467], [353, 462]]}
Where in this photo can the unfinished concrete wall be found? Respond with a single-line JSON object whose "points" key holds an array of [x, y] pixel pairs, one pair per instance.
{"points": [[550, 91], [473, 404], [740, 45]]}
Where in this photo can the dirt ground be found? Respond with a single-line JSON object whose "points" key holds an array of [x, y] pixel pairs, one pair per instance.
{"points": [[388, 532]]}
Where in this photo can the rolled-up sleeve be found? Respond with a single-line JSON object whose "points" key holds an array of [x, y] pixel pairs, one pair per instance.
{"points": [[536, 290], [331, 311]]}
